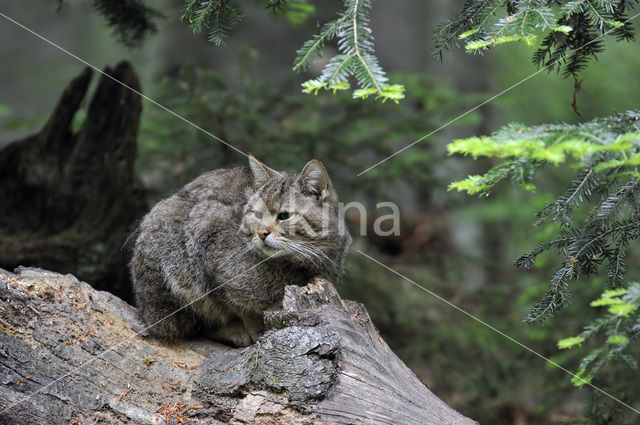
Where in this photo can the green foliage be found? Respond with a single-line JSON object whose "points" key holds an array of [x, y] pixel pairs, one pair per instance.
{"points": [[570, 29], [606, 151], [570, 342], [603, 145], [356, 57], [474, 16], [597, 215], [620, 325], [131, 20], [218, 17], [215, 16], [394, 92]]}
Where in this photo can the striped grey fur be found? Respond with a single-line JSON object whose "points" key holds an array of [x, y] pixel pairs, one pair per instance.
{"points": [[248, 232]]}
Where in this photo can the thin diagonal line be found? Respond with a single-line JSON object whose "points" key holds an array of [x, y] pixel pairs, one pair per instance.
{"points": [[496, 330], [101, 356], [164, 108], [493, 98]]}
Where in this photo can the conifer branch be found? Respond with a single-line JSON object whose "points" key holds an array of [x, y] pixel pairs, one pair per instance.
{"points": [[570, 28], [620, 325], [314, 46], [472, 20], [355, 60], [607, 151], [130, 20], [216, 16]]}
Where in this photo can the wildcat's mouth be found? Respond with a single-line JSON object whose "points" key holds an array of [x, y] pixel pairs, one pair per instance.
{"points": [[269, 246]]}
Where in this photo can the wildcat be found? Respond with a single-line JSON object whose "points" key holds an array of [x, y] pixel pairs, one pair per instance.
{"points": [[219, 252]]}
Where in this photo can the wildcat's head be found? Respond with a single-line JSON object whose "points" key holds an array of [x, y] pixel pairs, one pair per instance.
{"points": [[295, 216]]}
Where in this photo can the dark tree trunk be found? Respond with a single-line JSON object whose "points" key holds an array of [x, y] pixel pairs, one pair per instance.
{"points": [[69, 199], [71, 354]]}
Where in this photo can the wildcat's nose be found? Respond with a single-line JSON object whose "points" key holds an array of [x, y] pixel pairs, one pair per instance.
{"points": [[263, 233]]}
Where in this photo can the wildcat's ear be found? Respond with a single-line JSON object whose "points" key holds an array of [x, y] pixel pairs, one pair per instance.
{"points": [[314, 181], [261, 173]]}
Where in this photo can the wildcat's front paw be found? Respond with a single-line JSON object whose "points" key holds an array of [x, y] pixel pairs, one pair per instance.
{"points": [[235, 334]]}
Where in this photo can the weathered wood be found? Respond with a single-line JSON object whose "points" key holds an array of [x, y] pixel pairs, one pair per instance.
{"points": [[71, 354], [69, 197]]}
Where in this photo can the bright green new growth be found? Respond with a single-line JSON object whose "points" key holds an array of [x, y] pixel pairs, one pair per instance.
{"points": [[605, 152], [602, 145], [526, 21], [606, 155], [569, 29], [620, 325], [356, 57], [570, 342]]}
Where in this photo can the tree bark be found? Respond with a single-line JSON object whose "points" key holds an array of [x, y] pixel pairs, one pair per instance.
{"points": [[69, 197], [72, 354]]}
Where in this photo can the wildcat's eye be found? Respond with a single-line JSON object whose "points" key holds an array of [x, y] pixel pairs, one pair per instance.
{"points": [[257, 214], [284, 215]]}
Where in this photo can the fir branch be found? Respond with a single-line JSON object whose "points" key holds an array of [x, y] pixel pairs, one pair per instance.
{"points": [[472, 20], [612, 205], [520, 171], [216, 16], [569, 29], [356, 58], [583, 186], [314, 46], [131, 20], [618, 326], [528, 260], [276, 5], [617, 268], [554, 300], [607, 152], [337, 69]]}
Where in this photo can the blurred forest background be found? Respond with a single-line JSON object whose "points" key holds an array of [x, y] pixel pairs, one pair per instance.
{"points": [[460, 247]]}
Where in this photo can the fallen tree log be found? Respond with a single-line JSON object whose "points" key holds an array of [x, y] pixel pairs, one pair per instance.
{"points": [[70, 354]]}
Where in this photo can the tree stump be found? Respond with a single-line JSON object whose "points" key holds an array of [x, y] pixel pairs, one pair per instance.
{"points": [[69, 198], [72, 354]]}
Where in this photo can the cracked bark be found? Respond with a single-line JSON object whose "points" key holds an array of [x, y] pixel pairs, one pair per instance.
{"points": [[72, 354]]}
